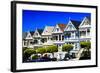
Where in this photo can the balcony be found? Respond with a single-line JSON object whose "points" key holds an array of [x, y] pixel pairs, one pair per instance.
{"points": [[71, 39], [82, 38], [85, 36], [58, 42], [30, 46]]}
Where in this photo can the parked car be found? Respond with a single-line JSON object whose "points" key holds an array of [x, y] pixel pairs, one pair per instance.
{"points": [[67, 57], [42, 59]]}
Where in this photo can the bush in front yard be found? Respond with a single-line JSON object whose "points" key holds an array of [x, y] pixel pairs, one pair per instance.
{"points": [[85, 45], [52, 49], [67, 47], [41, 50], [34, 57], [86, 54], [28, 52], [24, 49]]}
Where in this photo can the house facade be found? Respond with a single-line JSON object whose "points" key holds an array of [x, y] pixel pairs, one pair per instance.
{"points": [[37, 36], [28, 40], [58, 35], [85, 29], [47, 33], [71, 33]]}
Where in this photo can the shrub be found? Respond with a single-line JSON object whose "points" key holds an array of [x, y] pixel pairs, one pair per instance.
{"points": [[41, 50], [67, 47], [48, 49], [51, 49], [85, 45], [35, 57], [28, 52], [86, 54], [24, 49]]}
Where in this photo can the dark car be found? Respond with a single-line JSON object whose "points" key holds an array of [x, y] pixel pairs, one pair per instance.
{"points": [[42, 59], [67, 57]]}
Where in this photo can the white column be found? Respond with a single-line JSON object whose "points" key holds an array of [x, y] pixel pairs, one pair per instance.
{"points": [[47, 39], [28, 43], [54, 38], [86, 32], [61, 37], [74, 35], [39, 42], [71, 35], [58, 37]]}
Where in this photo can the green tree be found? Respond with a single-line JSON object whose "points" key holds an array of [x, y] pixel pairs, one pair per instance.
{"points": [[86, 45], [52, 49], [27, 53], [67, 47], [86, 54]]}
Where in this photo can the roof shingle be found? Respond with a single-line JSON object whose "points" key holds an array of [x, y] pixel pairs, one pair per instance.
{"points": [[62, 26]]}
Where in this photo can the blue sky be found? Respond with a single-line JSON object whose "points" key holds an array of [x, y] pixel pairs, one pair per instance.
{"points": [[32, 19]]}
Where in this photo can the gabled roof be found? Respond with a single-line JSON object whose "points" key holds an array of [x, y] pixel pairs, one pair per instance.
{"points": [[89, 18], [48, 30], [40, 31], [84, 19], [76, 23], [62, 26], [31, 32], [26, 34]]}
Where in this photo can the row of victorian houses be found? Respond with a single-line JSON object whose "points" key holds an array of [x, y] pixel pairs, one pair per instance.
{"points": [[71, 33]]}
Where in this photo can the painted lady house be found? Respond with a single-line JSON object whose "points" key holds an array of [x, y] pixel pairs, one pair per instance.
{"points": [[76, 32], [58, 35], [47, 33], [32, 39], [37, 36], [85, 29], [28, 39], [71, 33]]}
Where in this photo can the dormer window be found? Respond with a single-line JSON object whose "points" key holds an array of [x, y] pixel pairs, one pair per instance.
{"points": [[29, 36], [57, 29], [70, 26], [36, 34], [86, 22]]}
